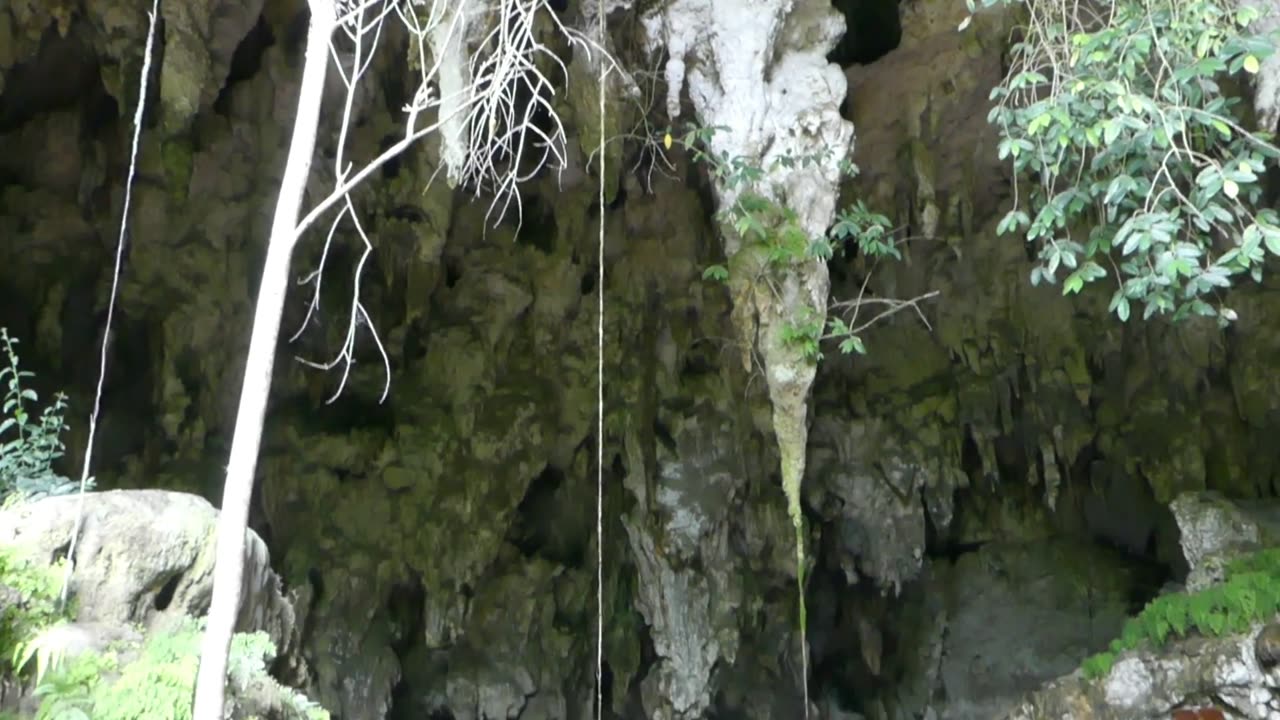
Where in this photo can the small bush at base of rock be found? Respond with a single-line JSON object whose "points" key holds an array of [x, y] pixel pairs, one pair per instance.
{"points": [[155, 680]]}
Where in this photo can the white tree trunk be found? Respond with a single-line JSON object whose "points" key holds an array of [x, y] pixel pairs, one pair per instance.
{"points": [[228, 575]]}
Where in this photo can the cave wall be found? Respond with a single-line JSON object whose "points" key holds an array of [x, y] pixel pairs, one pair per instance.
{"points": [[1018, 421], [439, 546]]}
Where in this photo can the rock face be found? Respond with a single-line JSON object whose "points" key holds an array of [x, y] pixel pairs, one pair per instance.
{"points": [[441, 546], [759, 72]]}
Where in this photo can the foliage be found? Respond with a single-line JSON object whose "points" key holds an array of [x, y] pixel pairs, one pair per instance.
{"points": [[760, 220], [1132, 160], [28, 603], [28, 444], [66, 694], [157, 684], [1250, 592]]}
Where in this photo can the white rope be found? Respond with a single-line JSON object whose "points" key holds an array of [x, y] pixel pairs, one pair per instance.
{"points": [[600, 404], [111, 303]]}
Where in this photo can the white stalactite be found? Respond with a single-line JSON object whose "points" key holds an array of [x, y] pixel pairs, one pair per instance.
{"points": [[758, 69], [448, 42]]}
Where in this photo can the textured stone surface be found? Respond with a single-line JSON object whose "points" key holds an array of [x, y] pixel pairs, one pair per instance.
{"points": [[145, 557], [759, 71], [1220, 672], [1212, 531]]}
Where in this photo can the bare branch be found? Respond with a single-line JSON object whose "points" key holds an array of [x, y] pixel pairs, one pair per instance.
{"points": [[500, 106]]}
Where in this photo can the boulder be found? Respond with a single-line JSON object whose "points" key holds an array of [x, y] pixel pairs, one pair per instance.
{"points": [[145, 557], [1198, 676]]}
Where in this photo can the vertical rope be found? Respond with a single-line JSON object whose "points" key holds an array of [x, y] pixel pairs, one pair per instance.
{"points": [[111, 302], [600, 401]]}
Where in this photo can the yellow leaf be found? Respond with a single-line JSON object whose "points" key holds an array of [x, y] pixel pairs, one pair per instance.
{"points": [[1231, 189], [666, 141], [1251, 64]]}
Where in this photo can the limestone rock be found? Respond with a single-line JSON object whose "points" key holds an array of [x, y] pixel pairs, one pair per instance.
{"points": [[145, 557], [760, 71], [1151, 685], [1213, 530], [687, 591]]}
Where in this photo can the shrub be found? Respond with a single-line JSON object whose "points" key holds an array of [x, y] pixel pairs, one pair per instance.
{"points": [[159, 683], [29, 443]]}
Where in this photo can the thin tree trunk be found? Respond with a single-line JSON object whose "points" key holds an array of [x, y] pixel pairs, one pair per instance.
{"points": [[233, 520]]}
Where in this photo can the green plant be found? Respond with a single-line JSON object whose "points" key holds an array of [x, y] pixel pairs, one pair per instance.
{"points": [[1250, 592], [28, 604], [1132, 159], [761, 221], [67, 692], [29, 444], [160, 682]]}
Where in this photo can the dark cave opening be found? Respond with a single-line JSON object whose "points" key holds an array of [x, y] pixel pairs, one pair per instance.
{"points": [[165, 596], [873, 28], [528, 533], [391, 168], [245, 62], [542, 528], [588, 283], [62, 73], [537, 225]]}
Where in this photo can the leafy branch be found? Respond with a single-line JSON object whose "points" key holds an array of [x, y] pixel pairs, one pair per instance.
{"points": [[1131, 158]]}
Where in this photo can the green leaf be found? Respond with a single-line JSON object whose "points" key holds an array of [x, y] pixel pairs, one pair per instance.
{"points": [[1272, 240], [1073, 283], [853, 344], [716, 272]]}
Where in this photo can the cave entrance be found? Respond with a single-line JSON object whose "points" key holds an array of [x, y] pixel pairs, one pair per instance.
{"points": [[873, 28]]}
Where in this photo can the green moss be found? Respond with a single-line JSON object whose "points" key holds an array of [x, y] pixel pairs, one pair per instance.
{"points": [[178, 162], [1251, 592]]}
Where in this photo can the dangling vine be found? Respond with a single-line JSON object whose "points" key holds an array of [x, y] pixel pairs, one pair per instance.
{"points": [[600, 390], [86, 481]]}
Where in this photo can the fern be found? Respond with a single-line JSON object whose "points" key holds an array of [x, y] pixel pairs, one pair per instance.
{"points": [[34, 591], [158, 684], [1251, 592]]}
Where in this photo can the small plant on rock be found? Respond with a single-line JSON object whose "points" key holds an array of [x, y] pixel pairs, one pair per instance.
{"points": [[28, 603], [1251, 592], [762, 221], [158, 682]]}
